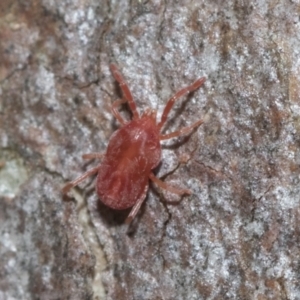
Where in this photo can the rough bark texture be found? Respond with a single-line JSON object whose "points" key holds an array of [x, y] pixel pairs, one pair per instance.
{"points": [[237, 236]]}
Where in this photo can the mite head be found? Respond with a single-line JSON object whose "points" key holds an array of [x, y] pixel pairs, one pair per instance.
{"points": [[150, 114]]}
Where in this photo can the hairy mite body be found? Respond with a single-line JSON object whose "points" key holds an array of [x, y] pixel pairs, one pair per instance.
{"points": [[133, 152]]}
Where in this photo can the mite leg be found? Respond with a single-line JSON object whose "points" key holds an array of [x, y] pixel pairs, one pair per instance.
{"points": [[93, 155], [179, 94], [125, 90], [75, 182], [116, 112], [181, 131], [167, 187], [135, 209]]}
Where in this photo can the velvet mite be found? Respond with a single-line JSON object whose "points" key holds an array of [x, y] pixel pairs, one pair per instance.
{"points": [[133, 152]]}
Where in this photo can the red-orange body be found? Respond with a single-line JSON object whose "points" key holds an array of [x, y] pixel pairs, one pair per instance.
{"points": [[133, 152]]}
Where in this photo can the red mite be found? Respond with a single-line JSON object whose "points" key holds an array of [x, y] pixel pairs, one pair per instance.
{"points": [[133, 152]]}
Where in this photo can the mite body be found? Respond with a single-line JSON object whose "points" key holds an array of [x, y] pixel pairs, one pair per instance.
{"points": [[133, 152]]}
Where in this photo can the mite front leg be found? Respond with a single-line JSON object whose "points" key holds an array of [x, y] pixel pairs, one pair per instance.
{"points": [[182, 131], [125, 90], [116, 112], [179, 94], [93, 155]]}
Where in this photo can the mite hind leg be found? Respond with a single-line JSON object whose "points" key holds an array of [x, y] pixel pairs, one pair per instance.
{"points": [[135, 209], [75, 182], [168, 187]]}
